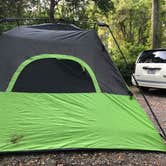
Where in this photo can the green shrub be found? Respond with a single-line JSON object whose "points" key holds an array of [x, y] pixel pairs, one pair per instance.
{"points": [[126, 70], [131, 52]]}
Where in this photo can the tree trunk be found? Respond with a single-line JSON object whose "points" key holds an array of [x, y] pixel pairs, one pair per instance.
{"points": [[53, 3], [52, 6], [154, 24]]}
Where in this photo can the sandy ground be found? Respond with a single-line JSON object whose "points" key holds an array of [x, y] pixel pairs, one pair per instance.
{"points": [[157, 99]]}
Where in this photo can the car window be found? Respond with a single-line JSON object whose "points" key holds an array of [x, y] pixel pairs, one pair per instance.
{"points": [[153, 57]]}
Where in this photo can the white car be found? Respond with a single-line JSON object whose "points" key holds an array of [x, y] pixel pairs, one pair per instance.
{"points": [[150, 69]]}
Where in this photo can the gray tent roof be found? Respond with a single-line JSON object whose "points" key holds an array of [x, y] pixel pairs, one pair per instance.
{"points": [[23, 42]]}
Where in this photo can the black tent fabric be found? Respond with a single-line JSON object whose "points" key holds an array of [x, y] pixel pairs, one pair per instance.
{"points": [[27, 41], [68, 76], [58, 26]]}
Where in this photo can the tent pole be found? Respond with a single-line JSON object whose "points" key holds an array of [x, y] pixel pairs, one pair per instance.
{"points": [[137, 84]]}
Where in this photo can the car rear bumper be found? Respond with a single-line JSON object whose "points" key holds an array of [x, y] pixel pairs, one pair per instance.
{"points": [[150, 84]]}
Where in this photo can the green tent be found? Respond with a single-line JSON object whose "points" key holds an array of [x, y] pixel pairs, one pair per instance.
{"points": [[59, 89]]}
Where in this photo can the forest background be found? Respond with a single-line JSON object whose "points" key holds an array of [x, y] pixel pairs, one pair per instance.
{"points": [[137, 24]]}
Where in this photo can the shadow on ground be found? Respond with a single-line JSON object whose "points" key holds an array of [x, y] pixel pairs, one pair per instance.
{"points": [[150, 92], [156, 92]]}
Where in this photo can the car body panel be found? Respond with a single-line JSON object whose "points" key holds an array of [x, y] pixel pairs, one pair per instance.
{"points": [[150, 74]]}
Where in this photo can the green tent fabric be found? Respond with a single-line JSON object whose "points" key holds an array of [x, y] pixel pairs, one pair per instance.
{"points": [[74, 121]]}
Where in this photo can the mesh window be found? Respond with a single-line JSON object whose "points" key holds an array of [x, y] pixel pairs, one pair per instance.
{"points": [[54, 76]]}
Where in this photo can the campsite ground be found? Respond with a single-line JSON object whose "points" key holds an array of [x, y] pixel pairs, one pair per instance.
{"points": [[157, 99]]}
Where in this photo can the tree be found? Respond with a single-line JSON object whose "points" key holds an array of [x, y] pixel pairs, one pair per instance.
{"points": [[53, 3], [78, 8], [154, 23], [131, 24], [161, 24]]}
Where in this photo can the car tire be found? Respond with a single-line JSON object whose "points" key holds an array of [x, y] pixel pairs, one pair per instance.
{"points": [[145, 89]]}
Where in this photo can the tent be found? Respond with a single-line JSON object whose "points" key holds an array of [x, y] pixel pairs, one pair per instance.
{"points": [[59, 89]]}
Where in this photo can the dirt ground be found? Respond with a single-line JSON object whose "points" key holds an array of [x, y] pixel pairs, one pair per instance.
{"points": [[157, 99]]}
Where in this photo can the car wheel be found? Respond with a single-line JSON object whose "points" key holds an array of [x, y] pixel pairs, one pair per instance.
{"points": [[145, 88]]}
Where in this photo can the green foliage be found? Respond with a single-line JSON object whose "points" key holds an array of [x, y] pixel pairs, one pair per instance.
{"points": [[105, 5], [131, 25], [126, 70], [162, 23]]}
